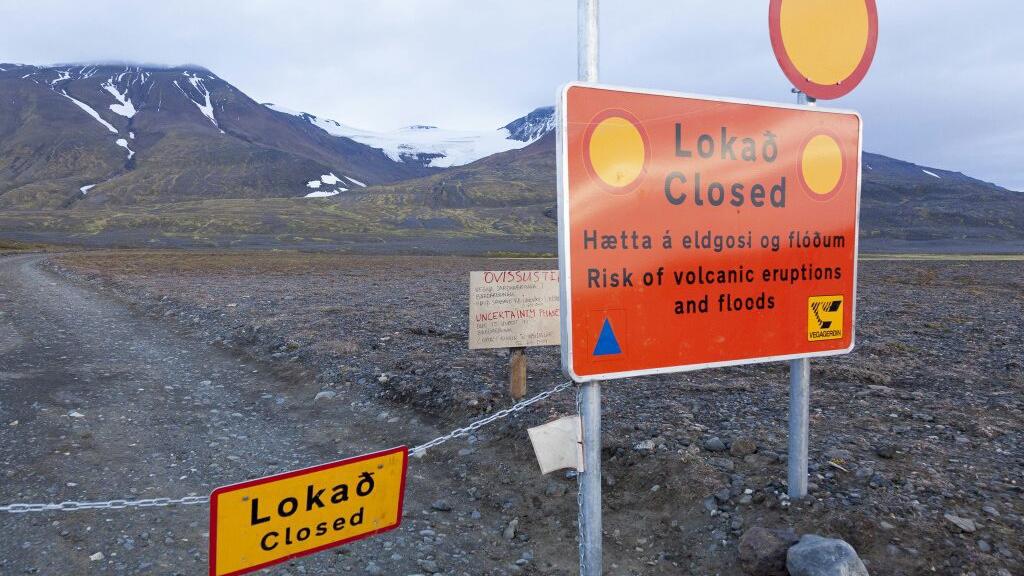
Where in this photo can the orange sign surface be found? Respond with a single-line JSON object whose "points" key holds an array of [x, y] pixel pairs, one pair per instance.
{"points": [[698, 232]]}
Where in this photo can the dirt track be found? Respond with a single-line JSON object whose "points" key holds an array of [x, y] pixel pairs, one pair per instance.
{"points": [[98, 403]]}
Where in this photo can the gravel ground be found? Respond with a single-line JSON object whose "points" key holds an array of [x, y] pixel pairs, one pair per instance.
{"points": [[922, 422]]}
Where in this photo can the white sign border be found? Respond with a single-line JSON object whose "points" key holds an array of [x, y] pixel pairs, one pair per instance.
{"points": [[564, 268]]}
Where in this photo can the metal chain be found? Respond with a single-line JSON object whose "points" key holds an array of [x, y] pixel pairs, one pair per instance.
{"points": [[418, 451], [71, 506]]}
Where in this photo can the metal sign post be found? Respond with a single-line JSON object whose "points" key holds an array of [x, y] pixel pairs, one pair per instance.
{"points": [[589, 399], [799, 402]]}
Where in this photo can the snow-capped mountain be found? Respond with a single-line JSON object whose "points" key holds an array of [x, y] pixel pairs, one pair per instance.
{"points": [[88, 134], [434, 147]]}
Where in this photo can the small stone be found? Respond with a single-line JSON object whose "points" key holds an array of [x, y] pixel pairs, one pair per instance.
{"points": [[441, 506], [964, 524], [97, 557], [886, 526], [76, 414], [742, 447], [887, 451], [714, 445], [817, 556], [510, 531], [726, 464], [762, 552], [710, 505], [839, 455], [645, 446], [984, 546], [429, 566], [324, 395]]}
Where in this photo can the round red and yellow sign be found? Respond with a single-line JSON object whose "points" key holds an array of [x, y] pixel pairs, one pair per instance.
{"points": [[825, 47]]}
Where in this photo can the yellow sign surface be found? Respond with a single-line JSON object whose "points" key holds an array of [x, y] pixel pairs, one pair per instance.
{"points": [[825, 47], [262, 522], [825, 40], [824, 318]]}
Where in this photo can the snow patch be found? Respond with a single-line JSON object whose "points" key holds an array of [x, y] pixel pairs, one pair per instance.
{"points": [[85, 189], [330, 179], [63, 75], [124, 107], [205, 107], [313, 184], [447, 147], [930, 173], [354, 181], [91, 112], [325, 193], [124, 144]]}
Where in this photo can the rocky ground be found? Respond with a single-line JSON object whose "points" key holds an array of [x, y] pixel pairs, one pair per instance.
{"points": [[917, 454]]}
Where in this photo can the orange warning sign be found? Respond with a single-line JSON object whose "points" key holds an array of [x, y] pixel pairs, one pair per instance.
{"points": [[699, 232]]}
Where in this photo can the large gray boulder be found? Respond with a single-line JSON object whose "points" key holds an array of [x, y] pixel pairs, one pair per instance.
{"points": [[818, 556]]}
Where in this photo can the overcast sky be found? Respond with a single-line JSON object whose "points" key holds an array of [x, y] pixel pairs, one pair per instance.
{"points": [[946, 88]]}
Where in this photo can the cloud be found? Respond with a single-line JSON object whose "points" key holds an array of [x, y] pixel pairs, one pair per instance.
{"points": [[943, 89]]}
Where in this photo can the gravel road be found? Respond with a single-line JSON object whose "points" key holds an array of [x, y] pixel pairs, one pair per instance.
{"points": [[97, 402]]}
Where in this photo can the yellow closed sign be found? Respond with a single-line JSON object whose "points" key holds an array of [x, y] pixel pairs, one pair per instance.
{"points": [[262, 522]]}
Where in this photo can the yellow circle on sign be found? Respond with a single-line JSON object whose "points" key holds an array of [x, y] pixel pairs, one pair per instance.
{"points": [[825, 39], [822, 164], [617, 151]]}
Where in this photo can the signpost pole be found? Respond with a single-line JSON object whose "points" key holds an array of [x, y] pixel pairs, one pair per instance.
{"points": [[589, 399], [799, 402]]}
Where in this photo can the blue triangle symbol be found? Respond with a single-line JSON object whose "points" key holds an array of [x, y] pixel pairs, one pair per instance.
{"points": [[607, 344]]}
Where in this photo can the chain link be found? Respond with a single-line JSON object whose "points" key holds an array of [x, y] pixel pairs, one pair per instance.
{"points": [[419, 451], [71, 505]]}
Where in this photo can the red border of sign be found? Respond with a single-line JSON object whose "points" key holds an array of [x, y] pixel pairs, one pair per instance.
{"points": [[588, 162], [813, 89], [231, 488], [843, 173]]}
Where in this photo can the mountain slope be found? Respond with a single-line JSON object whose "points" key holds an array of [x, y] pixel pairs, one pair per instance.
{"points": [[143, 134]]}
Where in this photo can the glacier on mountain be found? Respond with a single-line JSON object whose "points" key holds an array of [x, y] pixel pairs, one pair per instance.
{"points": [[438, 147]]}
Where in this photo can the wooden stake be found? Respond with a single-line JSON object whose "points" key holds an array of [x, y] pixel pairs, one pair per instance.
{"points": [[517, 372]]}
